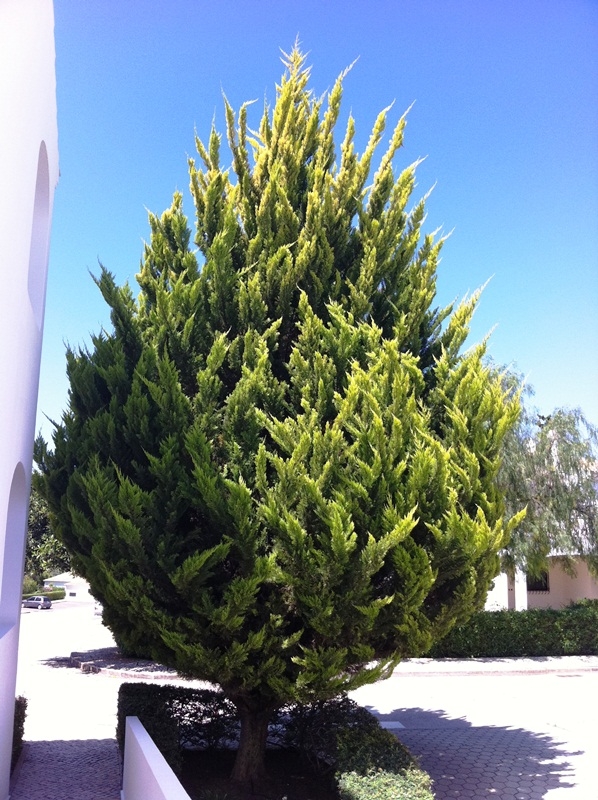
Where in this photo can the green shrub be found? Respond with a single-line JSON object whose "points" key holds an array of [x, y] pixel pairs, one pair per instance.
{"points": [[373, 765], [340, 735], [313, 728], [177, 716], [514, 634], [18, 729], [51, 594], [343, 738], [30, 586], [54, 594], [410, 784], [364, 749], [150, 703]]}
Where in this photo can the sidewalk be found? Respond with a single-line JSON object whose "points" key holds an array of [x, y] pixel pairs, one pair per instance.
{"points": [[504, 666]]}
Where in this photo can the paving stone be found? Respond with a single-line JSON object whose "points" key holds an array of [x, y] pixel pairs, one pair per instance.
{"points": [[68, 770]]}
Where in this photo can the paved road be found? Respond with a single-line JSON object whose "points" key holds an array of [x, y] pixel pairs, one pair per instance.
{"points": [[495, 735]]}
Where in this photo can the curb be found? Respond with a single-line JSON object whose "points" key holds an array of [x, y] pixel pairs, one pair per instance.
{"points": [[538, 665], [133, 669]]}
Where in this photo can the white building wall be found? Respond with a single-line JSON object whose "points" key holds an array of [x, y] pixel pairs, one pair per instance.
{"points": [[28, 175], [564, 589], [508, 593], [498, 596]]}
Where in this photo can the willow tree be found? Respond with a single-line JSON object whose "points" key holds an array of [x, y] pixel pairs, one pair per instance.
{"points": [[277, 470], [550, 468]]}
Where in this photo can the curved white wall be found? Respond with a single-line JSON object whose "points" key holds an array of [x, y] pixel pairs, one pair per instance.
{"points": [[29, 173], [11, 560]]}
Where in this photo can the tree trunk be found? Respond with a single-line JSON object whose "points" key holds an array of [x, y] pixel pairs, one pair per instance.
{"points": [[250, 764]]}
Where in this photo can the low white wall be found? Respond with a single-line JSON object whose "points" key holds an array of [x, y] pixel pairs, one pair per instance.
{"points": [[146, 774]]}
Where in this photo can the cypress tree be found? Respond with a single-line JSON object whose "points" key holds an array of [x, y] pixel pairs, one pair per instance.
{"points": [[277, 470]]}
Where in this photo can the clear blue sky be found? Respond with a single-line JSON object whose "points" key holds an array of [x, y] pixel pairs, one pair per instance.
{"points": [[506, 111]]}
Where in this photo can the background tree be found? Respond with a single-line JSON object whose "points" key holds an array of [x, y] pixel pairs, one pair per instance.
{"points": [[550, 468], [44, 555], [278, 471]]}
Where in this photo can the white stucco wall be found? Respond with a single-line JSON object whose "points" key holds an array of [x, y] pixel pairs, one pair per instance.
{"points": [[563, 588], [508, 593], [29, 173], [497, 598]]}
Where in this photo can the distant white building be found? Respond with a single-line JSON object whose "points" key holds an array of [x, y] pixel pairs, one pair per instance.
{"points": [[28, 176], [75, 588], [556, 589]]}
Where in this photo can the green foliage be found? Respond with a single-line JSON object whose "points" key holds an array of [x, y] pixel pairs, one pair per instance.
{"points": [[278, 470], [411, 784], [317, 729], [202, 718], [18, 729], [44, 554], [364, 748], [152, 705], [369, 763], [337, 736], [550, 468], [569, 631], [30, 586], [52, 594]]}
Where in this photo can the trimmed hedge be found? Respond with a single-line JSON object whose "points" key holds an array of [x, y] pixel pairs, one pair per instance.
{"points": [[412, 784], [571, 631], [373, 765], [338, 736], [52, 594], [175, 717], [18, 730]]}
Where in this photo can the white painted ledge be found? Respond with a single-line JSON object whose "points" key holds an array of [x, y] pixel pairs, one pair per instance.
{"points": [[146, 773]]}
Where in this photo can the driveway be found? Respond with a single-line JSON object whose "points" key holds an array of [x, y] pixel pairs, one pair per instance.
{"points": [[500, 734]]}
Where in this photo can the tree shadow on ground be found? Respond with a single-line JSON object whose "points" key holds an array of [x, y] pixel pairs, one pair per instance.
{"points": [[86, 769], [58, 662], [484, 761], [102, 657], [108, 658]]}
